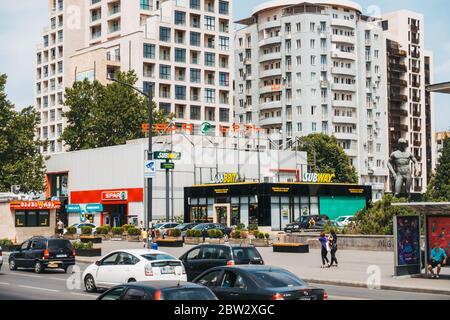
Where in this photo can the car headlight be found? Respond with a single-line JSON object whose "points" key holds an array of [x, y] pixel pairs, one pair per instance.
{"points": [[296, 226]]}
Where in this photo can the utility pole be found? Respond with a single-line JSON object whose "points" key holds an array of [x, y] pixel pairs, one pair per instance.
{"points": [[259, 160]]}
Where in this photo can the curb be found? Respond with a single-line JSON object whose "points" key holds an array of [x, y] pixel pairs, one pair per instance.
{"points": [[382, 287]]}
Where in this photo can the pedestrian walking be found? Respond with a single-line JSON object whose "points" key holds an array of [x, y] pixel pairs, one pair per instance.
{"points": [[324, 249], [60, 227], [144, 235], [333, 247], [141, 225]]}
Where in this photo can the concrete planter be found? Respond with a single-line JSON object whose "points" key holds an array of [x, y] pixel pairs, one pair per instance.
{"points": [[172, 243], [239, 241], [134, 238], [104, 236], [92, 239], [117, 237], [71, 236], [193, 240], [260, 242], [214, 241], [291, 248], [95, 252], [10, 248]]}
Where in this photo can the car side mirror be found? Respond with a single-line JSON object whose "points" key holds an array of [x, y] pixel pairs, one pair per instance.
{"points": [[97, 263]]}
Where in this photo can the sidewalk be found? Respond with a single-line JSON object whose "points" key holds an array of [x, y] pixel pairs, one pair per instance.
{"points": [[356, 268]]}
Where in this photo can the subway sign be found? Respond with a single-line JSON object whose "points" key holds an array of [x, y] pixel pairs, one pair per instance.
{"points": [[226, 178], [313, 177], [166, 155]]}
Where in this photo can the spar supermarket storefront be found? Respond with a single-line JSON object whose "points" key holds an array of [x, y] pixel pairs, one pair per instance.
{"points": [[272, 204], [114, 207]]}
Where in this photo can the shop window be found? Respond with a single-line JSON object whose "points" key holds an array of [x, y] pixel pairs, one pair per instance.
{"points": [[32, 219], [44, 219], [20, 219]]}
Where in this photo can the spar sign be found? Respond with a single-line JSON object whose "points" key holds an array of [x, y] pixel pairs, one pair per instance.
{"points": [[313, 177]]}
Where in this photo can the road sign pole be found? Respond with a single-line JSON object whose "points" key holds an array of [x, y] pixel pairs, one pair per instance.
{"points": [[167, 192]]}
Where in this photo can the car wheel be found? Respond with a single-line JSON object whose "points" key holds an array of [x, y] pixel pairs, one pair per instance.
{"points": [[89, 284], [12, 265], [131, 280], [38, 267]]}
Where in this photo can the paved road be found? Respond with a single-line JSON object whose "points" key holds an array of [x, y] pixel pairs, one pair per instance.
{"points": [[55, 285]]}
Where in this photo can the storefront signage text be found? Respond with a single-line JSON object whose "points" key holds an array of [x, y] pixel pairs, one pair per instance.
{"points": [[114, 195], [317, 177], [278, 189], [226, 178], [205, 128], [35, 205], [221, 191], [359, 191], [159, 155]]}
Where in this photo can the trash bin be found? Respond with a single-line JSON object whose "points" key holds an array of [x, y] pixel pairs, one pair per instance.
{"points": [[154, 246]]}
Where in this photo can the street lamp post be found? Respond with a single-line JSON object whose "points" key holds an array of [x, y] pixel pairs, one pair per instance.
{"points": [[149, 217]]}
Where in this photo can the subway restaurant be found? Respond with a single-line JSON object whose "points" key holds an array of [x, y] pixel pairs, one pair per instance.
{"points": [[272, 204]]}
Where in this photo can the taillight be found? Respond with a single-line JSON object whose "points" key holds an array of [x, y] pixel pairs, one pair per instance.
{"points": [[158, 295], [74, 253], [148, 270], [325, 295], [277, 296], [231, 263], [46, 254]]}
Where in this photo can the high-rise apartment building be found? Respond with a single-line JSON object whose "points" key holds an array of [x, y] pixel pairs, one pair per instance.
{"points": [[320, 66], [411, 113], [180, 50]]}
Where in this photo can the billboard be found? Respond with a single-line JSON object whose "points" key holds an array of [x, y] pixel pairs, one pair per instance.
{"points": [[408, 240], [438, 232]]}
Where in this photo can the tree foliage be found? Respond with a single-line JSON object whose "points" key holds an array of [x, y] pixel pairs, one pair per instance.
{"points": [[439, 187], [102, 116], [325, 154], [20, 160], [379, 218]]}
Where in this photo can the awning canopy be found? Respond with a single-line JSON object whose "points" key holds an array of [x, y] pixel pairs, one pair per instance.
{"points": [[427, 207]]}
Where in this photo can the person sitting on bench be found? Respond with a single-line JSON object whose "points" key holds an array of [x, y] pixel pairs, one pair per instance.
{"points": [[438, 258]]}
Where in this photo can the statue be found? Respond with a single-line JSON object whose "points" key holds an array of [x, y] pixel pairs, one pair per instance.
{"points": [[401, 159]]}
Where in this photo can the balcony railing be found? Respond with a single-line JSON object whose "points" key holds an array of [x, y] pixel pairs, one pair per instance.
{"points": [[399, 97], [398, 66]]}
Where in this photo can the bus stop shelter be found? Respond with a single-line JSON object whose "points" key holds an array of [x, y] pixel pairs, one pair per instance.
{"points": [[427, 210]]}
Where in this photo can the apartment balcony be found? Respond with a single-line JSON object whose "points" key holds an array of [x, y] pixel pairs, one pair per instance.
{"points": [[270, 89], [343, 55], [269, 41], [348, 120], [403, 127], [246, 61], [270, 121], [343, 103], [398, 67], [417, 143], [415, 40], [270, 105], [324, 84], [269, 24], [417, 114], [398, 97], [344, 23], [415, 55], [415, 84], [344, 71], [351, 152], [414, 28], [415, 69], [417, 128], [270, 73], [416, 99], [343, 39], [344, 87], [398, 52], [345, 136], [398, 82], [270, 57], [399, 112]]}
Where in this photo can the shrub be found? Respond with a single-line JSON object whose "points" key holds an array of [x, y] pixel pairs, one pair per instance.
{"points": [[236, 234], [197, 233], [117, 231], [5, 242], [71, 230], [212, 233], [133, 231], [240, 226], [261, 235], [103, 230], [81, 245], [253, 227], [190, 233], [176, 233], [219, 234], [86, 230], [267, 236], [127, 226], [244, 234], [107, 229]]}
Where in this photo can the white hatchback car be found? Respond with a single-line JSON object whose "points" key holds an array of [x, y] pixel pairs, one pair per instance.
{"points": [[124, 266]]}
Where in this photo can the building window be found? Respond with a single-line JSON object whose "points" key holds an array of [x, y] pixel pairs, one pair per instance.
{"points": [[149, 51], [195, 75], [164, 34], [224, 79], [210, 59], [32, 219], [180, 18], [180, 55], [210, 95], [164, 72], [195, 39], [149, 87], [145, 5], [223, 7], [195, 4], [224, 115], [224, 43], [210, 23], [165, 107], [195, 112], [180, 92]]}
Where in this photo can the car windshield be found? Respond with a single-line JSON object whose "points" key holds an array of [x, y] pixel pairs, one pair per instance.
{"points": [[302, 219], [249, 253], [340, 219], [277, 279], [157, 256], [188, 294], [158, 225], [200, 226], [59, 244]]}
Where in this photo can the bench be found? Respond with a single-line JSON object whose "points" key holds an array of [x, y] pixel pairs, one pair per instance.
{"points": [[291, 247]]}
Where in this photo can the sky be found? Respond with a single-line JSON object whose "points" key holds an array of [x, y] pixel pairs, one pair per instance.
{"points": [[22, 22]]}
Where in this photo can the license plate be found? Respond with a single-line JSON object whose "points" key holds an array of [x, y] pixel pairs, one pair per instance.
{"points": [[306, 298], [167, 270], [61, 255], [53, 265]]}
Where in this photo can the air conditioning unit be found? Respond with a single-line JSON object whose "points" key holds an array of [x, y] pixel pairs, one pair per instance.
{"points": [[15, 189]]}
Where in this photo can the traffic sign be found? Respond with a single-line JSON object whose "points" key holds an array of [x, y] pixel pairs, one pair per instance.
{"points": [[166, 155], [150, 169], [167, 165]]}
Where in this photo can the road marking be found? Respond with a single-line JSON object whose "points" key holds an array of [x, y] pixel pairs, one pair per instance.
{"points": [[59, 279], [4, 284], [24, 275], [345, 298], [37, 288]]}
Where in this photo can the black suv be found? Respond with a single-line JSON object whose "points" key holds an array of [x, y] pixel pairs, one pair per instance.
{"points": [[207, 256], [40, 253], [302, 223]]}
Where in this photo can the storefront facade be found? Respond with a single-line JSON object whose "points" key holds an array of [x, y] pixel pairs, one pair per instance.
{"points": [[21, 220], [272, 204]]}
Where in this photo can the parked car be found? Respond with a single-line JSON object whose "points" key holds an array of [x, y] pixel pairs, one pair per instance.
{"points": [[43, 253], [1, 258], [159, 290], [257, 283], [207, 256], [345, 220], [302, 223], [124, 266], [81, 225], [162, 227], [184, 227], [204, 227]]}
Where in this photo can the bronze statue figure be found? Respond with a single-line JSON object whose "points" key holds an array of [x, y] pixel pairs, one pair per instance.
{"points": [[400, 160]]}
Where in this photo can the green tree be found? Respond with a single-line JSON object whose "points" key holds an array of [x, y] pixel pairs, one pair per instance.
{"points": [[379, 218], [439, 187], [326, 156], [20, 160], [102, 116]]}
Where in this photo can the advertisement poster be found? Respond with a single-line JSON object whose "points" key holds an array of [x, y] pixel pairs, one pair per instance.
{"points": [[439, 232], [408, 241]]}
